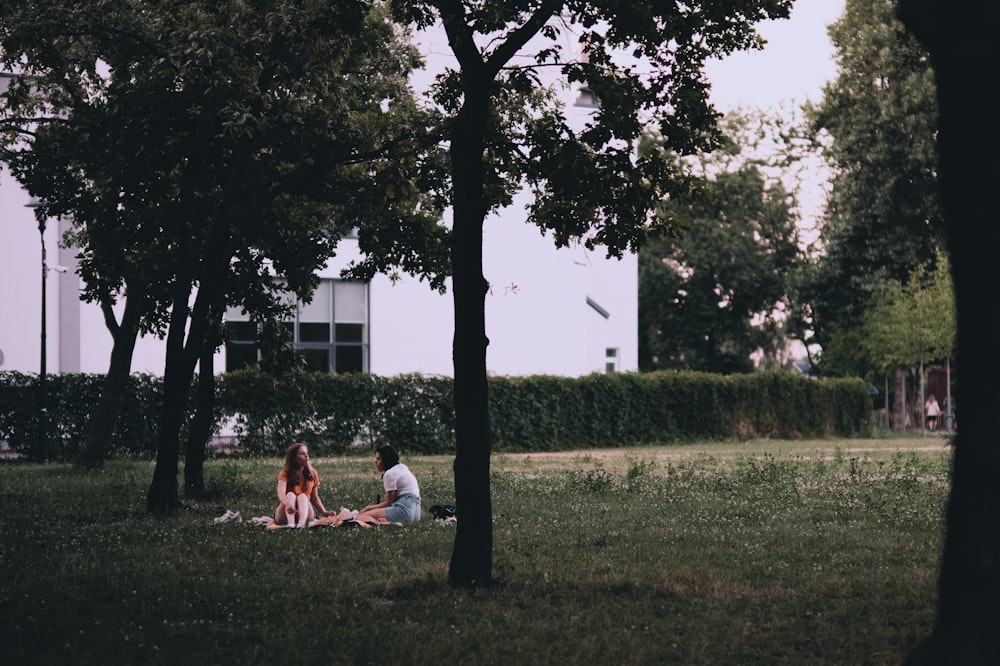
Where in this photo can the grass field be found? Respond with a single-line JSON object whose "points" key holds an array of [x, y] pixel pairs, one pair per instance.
{"points": [[761, 553]]}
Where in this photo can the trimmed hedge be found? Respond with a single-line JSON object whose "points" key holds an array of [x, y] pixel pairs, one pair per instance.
{"points": [[336, 413], [70, 400], [625, 409]]}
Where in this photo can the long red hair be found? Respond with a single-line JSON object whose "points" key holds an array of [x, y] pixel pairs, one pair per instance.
{"points": [[293, 472]]}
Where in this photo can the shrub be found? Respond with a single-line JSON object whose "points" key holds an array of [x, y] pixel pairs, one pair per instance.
{"points": [[338, 413]]}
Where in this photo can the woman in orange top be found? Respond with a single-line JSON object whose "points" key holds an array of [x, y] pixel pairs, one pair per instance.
{"points": [[298, 490]]}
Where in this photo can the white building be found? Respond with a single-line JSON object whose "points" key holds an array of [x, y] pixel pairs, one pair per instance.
{"points": [[562, 312]]}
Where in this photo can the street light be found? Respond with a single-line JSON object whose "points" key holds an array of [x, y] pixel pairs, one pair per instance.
{"points": [[43, 412]]}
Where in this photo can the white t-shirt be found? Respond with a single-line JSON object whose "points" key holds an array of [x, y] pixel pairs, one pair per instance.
{"points": [[401, 479]]}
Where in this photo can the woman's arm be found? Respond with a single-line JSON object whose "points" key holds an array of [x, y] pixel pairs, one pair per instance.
{"points": [[283, 492], [390, 497], [318, 503]]}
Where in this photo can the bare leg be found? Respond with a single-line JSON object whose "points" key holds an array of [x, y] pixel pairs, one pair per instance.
{"points": [[302, 510], [285, 515], [372, 516]]}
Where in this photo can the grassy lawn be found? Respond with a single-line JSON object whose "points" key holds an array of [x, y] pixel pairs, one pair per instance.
{"points": [[821, 552]]}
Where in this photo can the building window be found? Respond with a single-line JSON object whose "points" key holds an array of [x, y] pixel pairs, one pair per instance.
{"points": [[330, 331], [241, 344], [611, 359], [587, 98]]}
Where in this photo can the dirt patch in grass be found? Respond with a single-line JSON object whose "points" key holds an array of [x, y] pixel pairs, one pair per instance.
{"points": [[661, 456]]}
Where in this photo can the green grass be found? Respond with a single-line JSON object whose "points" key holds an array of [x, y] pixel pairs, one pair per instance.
{"points": [[761, 553]]}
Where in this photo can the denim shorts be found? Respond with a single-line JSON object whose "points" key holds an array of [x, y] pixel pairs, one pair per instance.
{"points": [[404, 509]]}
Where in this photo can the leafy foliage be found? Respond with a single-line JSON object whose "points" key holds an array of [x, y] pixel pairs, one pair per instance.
{"points": [[720, 291], [339, 414], [267, 124], [914, 322], [70, 400], [644, 64], [883, 216]]}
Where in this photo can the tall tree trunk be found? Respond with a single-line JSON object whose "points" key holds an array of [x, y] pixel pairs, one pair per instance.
{"points": [[949, 411], [899, 401], [182, 356], [472, 556], [961, 37], [104, 418], [201, 426], [162, 497], [920, 399]]}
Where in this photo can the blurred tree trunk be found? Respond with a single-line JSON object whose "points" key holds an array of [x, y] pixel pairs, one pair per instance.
{"points": [[899, 401], [962, 38]]}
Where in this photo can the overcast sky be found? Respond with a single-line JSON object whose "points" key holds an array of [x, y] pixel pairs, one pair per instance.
{"points": [[794, 65]]}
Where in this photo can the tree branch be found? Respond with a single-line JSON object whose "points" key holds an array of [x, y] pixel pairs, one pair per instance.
{"points": [[521, 36]]}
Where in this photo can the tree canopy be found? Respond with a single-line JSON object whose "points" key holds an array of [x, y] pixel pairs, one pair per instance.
{"points": [[883, 216], [912, 323], [204, 149], [721, 290]]}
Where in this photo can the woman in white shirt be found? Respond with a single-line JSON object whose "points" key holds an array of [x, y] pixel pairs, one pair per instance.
{"points": [[932, 410], [402, 492]]}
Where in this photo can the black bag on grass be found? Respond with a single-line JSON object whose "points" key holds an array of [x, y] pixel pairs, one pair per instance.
{"points": [[442, 511]]}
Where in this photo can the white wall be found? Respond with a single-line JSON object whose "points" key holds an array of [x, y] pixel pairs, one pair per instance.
{"points": [[537, 317], [20, 275]]}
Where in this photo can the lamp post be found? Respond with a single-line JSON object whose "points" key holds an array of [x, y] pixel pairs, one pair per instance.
{"points": [[43, 412]]}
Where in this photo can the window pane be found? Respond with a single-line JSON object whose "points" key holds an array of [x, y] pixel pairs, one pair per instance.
{"points": [[350, 332], [318, 332], [350, 302], [241, 331], [316, 359], [235, 313], [289, 298], [318, 309], [239, 356], [349, 359]]}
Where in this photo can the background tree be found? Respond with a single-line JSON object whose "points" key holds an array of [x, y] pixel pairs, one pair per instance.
{"points": [[910, 324], [961, 38], [237, 144], [504, 131], [721, 289], [718, 294], [882, 218]]}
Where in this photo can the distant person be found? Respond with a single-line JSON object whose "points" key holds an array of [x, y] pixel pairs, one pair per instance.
{"points": [[298, 490], [932, 410], [402, 492]]}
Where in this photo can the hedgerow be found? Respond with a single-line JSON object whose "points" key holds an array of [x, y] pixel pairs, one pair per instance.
{"points": [[338, 413]]}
